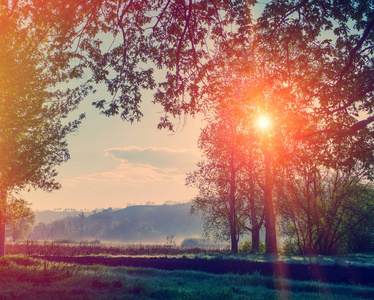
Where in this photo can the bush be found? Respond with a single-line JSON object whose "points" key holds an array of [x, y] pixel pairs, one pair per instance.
{"points": [[194, 242], [190, 243], [246, 248], [291, 247]]}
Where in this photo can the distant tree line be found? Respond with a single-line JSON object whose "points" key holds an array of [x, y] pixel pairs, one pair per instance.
{"points": [[97, 226]]}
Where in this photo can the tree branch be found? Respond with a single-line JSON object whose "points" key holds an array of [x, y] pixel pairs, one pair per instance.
{"points": [[352, 54]]}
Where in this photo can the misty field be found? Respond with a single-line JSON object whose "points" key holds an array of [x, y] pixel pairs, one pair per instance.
{"points": [[33, 277], [27, 278]]}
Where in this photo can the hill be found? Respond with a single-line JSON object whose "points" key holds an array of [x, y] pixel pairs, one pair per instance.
{"points": [[151, 223], [146, 223], [49, 216]]}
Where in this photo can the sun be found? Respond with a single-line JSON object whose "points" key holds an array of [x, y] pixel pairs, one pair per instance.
{"points": [[264, 122]]}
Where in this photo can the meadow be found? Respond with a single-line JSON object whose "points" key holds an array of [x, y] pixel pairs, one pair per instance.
{"points": [[30, 276]]}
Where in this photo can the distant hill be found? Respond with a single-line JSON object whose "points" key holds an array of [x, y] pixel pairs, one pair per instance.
{"points": [[145, 223], [151, 223], [49, 216]]}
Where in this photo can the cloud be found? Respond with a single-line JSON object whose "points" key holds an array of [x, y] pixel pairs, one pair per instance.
{"points": [[157, 157], [144, 165]]}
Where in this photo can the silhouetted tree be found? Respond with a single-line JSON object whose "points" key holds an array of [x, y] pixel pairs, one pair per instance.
{"points": [[32, 134], [229, 195], [19, 218], [323, 209]]}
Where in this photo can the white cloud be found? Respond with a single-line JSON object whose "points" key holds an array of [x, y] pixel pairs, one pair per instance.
{"points": [[144, 165], [158, 157]]}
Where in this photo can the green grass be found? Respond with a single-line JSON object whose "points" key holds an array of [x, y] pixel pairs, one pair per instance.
{"points": [[145, 250], [26, 278]]}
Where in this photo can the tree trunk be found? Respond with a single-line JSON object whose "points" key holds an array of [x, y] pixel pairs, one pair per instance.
{"points": [[14, 233], [2, 223], [255, 226], [234, 243], [255, 239], [233, 223], [271, 235]]}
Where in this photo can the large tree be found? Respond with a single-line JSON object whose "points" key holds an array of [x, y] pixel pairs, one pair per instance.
{"points": [[315, 60], [32, 108], [121, 43], [323, 49], [229, 196], [320, 52]]}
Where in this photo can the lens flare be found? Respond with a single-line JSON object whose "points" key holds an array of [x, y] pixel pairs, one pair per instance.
{"points": [[263, 122]]}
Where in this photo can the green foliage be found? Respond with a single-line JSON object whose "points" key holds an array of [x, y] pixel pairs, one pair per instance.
{"points": [[229, 198], [290, 246], [167, 35], [336, 218], [197, 242], [309, 64], [19, 218], [246, 248], [33, 108]]}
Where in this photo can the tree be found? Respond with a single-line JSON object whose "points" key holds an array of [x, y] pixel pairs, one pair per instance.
{"points": [[323, 49], [41, 232], [227, 195], [323, 52], [330, 74], [58, 229], [32, 109], [120, 43], [321, 84], [97, 228], [323, 208], [19, 218], [81, 223]]}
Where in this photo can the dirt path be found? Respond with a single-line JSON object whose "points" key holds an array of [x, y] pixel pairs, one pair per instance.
{"points": [[333, 273]]}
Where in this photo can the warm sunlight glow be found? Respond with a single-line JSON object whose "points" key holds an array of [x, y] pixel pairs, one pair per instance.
{"points": [[264, 122]]}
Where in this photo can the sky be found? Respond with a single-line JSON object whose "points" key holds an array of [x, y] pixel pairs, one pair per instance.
{"points": [[118, 164]]}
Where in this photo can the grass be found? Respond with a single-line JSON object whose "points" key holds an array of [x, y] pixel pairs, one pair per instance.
{"points": [[152, 250], [86, 248], [22, 277]]}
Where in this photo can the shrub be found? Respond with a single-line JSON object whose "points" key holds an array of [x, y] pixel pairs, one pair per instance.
{"points": [[291, 247], [194, 242], [246, 248]]}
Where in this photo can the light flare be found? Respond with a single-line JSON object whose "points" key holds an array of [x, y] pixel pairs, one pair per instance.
{"points": [[264, 122]]}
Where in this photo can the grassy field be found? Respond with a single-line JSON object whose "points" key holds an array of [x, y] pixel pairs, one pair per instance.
{"points": [[23, 277], [151, 250]]}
